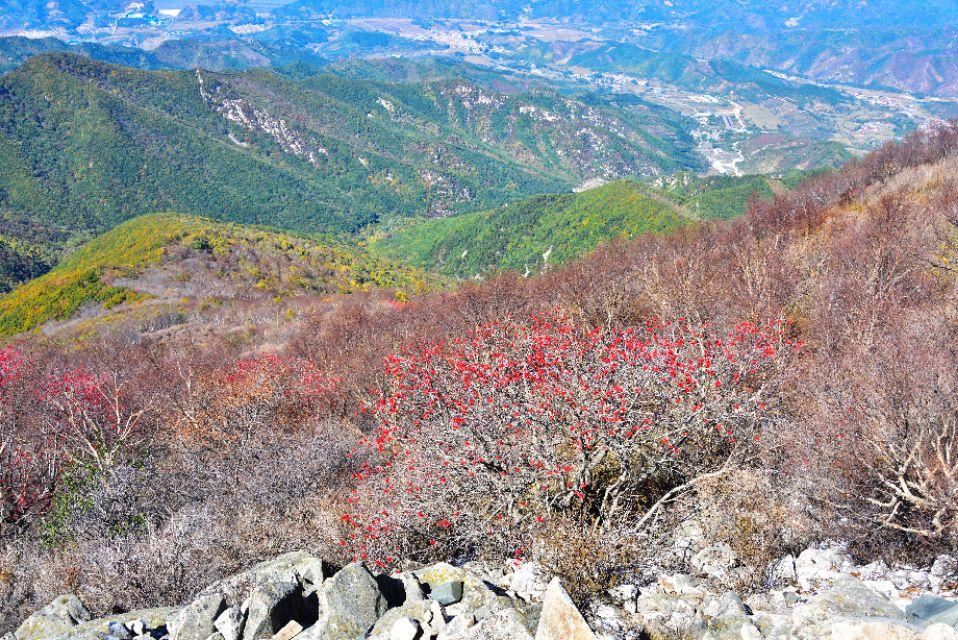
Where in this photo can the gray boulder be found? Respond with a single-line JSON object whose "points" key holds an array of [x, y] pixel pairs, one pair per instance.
{"points": [[288, 632], [928, 607], [847, 600], [479, 597], [155, 623], [58, 617], [196, 620], [297, 567], [269, 608], [947, 616], [351, 603], [876, 629], [448, 593]]}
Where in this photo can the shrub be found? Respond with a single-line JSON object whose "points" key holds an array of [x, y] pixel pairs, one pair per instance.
{"points": [[27, 465], [481, 441], [240, 398]]}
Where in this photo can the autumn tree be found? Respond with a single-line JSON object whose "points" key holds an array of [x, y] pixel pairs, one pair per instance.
{"points": [[482, 439]]}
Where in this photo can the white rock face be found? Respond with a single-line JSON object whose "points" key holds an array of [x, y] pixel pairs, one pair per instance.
{"points": [[817, 565], [529, 581], [873, 630], [560, 619], [939, 631], [405, 629]]}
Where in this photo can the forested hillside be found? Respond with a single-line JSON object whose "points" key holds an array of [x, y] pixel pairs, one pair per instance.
{"points": [[174, 263], [542, 231], [85, 145]]}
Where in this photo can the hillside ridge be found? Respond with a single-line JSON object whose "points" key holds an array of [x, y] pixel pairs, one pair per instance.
{"points": [[169, 257]]}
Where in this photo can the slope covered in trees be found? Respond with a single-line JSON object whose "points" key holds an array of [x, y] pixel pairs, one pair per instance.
{"points": [[172, 258], [531, 234], [85, 145]]}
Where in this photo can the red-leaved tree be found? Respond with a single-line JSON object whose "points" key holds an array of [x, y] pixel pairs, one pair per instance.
{"points": [[481, 440]]}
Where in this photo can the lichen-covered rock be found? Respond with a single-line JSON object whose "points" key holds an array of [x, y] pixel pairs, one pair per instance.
{"points": [[155, 622], [196, 620], [873, 630], [58, 617], [230, 623], [288, 632], [350, 604], [846, 597], [299, 597], [296, 567], [439, 573]]}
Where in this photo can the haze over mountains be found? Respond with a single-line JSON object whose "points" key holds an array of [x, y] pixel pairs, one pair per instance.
{"points": [[878, 43]]}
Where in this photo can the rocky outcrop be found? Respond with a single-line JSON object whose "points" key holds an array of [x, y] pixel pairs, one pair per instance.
{"points": [[821, 593], [300, 597], [58, 617]]}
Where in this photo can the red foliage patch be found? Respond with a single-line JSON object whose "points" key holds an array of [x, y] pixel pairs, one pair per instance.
{"points": [[487, 437]]}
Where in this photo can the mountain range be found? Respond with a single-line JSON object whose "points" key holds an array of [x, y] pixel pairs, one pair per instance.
{"points": [[86, 145]]}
